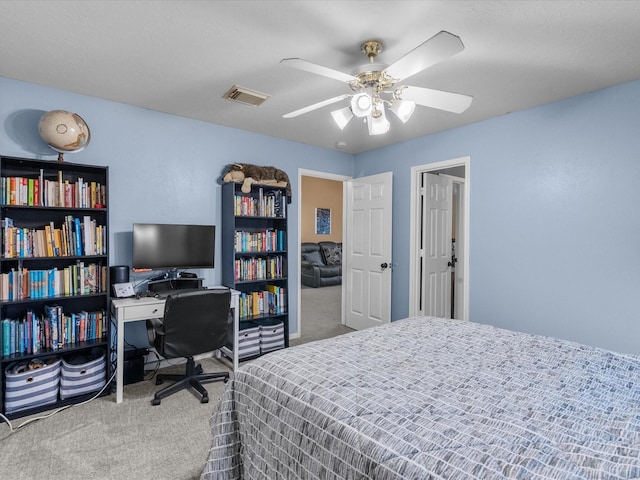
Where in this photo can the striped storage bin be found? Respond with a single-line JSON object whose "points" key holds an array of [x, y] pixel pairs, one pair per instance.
{"points": [[83, 372], [31, 384], [248, 340], [271, 336]]}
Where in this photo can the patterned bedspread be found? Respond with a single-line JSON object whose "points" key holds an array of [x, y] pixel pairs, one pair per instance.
{"points": [[429, 398]]}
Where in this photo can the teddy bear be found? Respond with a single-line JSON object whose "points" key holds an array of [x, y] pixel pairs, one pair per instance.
{"points": [[249, 174]]}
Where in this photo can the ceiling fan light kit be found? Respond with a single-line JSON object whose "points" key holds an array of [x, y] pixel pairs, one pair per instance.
{"points": [[377, 122], [342, 117], [403, 109], [361, 104], [376, 86]]}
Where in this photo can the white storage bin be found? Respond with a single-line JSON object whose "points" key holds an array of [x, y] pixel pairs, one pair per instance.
{"points": [[31, 384], [83, 372], [248, 340], [271, 336]]}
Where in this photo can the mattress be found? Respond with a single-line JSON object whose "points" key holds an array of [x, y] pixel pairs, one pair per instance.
{"points": [[426, 398]]}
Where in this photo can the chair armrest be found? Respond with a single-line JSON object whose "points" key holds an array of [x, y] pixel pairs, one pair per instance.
{"points": [[311, 273], [309, 268]]}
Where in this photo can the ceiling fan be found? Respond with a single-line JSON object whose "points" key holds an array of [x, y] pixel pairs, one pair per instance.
{"points": [[376, 85]]}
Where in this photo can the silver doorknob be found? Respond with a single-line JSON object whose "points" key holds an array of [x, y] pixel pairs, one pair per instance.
{"points": [[384, 265]]}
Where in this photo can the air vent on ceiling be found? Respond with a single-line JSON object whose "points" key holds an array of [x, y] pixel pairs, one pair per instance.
{"points": [[246, 96]]}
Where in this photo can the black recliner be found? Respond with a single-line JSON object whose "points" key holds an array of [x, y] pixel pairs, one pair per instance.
{"points": [[193, 323], [316, 269]]}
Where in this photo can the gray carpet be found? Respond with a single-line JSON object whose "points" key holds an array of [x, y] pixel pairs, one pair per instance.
{"points": [[320, 314], [104, 440]]}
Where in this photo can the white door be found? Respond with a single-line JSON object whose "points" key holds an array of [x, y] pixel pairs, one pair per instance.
{"points": [[367, 255], [436, 245]]}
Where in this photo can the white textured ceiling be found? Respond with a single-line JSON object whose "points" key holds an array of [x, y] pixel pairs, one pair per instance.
{"points": [[180, 57]]}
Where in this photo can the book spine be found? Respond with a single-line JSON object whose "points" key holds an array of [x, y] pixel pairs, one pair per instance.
{"points": [[30, 191], [6, 337], [78, 235], [60, 197]]}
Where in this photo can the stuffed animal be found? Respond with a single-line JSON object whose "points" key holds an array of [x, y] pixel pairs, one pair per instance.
{"points": [[249, 174]]}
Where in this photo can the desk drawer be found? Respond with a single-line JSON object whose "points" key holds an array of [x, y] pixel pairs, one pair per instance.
{"points": [[143, 312]]}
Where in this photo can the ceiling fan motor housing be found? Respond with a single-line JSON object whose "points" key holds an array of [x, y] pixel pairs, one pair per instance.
{"points": [[376, 79]]}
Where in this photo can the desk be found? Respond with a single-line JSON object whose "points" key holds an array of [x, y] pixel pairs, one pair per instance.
{"points": [[124, 310]]}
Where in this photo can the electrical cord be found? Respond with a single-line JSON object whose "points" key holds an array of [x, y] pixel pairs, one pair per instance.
{"points": [[13, 429], [168, 363], [155, 371]]}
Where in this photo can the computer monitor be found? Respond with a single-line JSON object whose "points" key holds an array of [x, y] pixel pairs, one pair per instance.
{"points": [[172, 246]]}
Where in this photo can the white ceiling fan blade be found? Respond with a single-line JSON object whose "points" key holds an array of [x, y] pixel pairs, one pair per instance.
{"points": [[315, 106], [301, 64], [439, 47], [447, 101]]}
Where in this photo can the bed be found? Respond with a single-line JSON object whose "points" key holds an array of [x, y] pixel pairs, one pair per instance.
{"points": [[426, 398]]}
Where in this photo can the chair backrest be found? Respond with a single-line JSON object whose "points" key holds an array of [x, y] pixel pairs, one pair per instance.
{"points": [[307, 247], [310, 252], [194, 323]]}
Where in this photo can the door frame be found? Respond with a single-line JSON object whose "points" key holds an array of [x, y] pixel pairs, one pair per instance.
{"points": [[461, 234], [414, 212], [303, 172]]}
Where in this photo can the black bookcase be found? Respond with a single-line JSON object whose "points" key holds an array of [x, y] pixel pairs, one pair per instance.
{"points": [[254, 258], [54, 284]]}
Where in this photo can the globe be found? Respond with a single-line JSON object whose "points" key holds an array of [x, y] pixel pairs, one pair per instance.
{"points": [[64, 131]]}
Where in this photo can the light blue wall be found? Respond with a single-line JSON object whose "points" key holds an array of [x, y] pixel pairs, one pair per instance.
{"points": [[162, 168], [554, 224], [555, 228]]}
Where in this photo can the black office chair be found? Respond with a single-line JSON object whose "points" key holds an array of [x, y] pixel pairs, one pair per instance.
{"points": [[193, 323]]}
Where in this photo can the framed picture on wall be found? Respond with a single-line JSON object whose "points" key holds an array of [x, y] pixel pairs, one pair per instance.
{"points": [[323, 221]]}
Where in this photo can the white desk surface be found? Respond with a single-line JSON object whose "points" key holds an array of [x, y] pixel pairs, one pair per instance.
{"points": [[133, 309]]}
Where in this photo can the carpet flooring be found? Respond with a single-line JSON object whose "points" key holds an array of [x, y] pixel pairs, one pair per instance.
{"points": [[105, 440], [320, 311], [102, 440]]}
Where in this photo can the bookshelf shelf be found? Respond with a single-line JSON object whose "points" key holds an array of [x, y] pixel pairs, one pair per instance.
{"points": [[254, 258], [54, 285]]}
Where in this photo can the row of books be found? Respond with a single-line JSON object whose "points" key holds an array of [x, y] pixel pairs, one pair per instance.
{"points": [[52, 330], [251, 268], [262, 241], [269, 204], [74, 237], [46, 192], [76, 279], [272, 300]]}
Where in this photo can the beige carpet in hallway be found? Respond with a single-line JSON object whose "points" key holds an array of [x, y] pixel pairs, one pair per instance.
{"points": [[320, 314]]}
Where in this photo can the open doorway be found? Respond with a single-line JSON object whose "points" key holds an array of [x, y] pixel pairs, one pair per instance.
{"points": [[439, 247], [320, 227]]}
